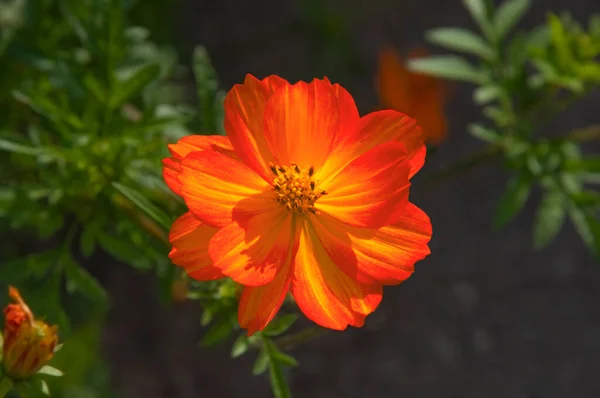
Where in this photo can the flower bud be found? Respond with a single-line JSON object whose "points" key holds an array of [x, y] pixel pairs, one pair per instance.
{"points": [[28, 343]]}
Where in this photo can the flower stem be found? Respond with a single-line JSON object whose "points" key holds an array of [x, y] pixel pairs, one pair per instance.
{"points": [[279, 384], [5, 386], [286, 343]]}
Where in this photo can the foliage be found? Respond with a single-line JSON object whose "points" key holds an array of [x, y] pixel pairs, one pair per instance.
{"points": [[524, 80], [92, 93]]}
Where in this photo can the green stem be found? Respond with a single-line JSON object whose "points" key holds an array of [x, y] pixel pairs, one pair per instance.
{"points": [[277, 378], [286, 343], [5, 386], [486, 155], [493, 152]]}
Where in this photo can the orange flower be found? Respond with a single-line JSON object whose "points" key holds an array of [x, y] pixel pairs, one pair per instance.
{"points": [[28, 344], [303, 196], [421, 96]]}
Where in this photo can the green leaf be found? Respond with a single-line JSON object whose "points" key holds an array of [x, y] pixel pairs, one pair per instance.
{"points": [[19, 148], [560, 40], [483, 133], [588, 229], [461, 40], [261, 364], [279, 384], [50, 371], [240, 346], [285, 359], [44, 388], [78, 278], [134, 85], [586, 199], [448, 67], [479, 12], [207, 89], [590, 164], [486, 94], [549, 218], [513, 200], [87, 240], [119, 249], [144, 204], [280, 325], [508, 15], [218, 332]]}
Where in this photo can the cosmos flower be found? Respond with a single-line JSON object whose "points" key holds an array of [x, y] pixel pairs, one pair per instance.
{"points": [[28, 343], [420, 96], [302, 196]]}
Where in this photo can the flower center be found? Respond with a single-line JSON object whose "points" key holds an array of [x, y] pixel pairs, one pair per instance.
{"points": [[295, 188]]}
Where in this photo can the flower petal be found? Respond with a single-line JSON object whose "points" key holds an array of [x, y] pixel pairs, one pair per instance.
{"points": [[258, 305], [219, 189], [252, 252], [188, 144], [244, 108], [190, 239], [171, 171], [193, 143], [301, 123], [385, 255], [369, 188], [373, 130], [323, 292]]}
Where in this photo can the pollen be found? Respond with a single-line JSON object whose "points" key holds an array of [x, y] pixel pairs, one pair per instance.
{"points": [[295, 188]]}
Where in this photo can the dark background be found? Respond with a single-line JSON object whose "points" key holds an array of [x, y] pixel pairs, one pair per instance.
{"points": [[483, 316]]}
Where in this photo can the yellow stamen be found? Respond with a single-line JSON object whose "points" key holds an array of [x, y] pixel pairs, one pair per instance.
{"points": [[295, 188]]}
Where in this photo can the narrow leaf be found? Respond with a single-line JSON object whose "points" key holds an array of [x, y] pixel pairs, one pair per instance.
{"points": [[483, 133], [512, 201], [588, 229], [18, 148], [549, 219], [240, 346], [448, 67], [279, 384], [508, 15], [280, 325], [81, 280], [144, 204], [50, 371], [479, 13], [261, 364], [486, 94], [460, 40], [134, 85]]}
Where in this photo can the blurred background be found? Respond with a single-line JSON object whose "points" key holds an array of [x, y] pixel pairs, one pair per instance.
{"points": [[483, 316]]}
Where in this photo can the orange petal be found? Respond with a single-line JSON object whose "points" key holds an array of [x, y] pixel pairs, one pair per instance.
{"points": [[258, 305], [171, 171], [190, 239], [244, 108], [193, 143], [385, 255], [189, 144], [252, 252], [375, 129], [429, 114], [323, 292], [393, 80], [219, 189], [301, 123], [369, 188]]}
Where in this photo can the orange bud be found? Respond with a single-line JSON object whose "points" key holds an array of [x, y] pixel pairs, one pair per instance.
{"points": [[28, 344]]}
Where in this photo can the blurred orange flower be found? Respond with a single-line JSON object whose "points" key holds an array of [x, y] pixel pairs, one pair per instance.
{"points": [[303, 196], [28, 344], [421, 96]]}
